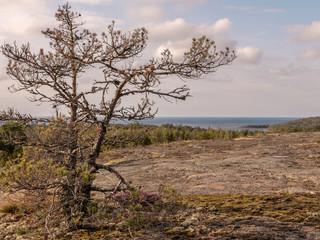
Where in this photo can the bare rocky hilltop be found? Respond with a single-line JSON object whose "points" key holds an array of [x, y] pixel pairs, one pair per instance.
{"points": [[265, 164], [262, 187]]}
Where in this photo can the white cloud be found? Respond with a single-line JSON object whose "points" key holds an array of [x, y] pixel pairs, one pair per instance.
{"points": [[170, 30], [273, 10], [19, 2], [306, 33], [3, 76], [181, 5], [93, 2], [249, 55], [96, 22], [179, 29], [278, 71], [22, 17], [147, 12], [186, 4], [289, 71], [255, 10], [221, 26], [177, 48], [238, 8], [177, 35], [310, 53]]}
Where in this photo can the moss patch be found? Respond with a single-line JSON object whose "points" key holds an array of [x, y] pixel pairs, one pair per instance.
{"points": [[302, 208], [229, 216]]}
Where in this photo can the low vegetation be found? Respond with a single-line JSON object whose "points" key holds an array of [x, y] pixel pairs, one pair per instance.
{"points": [[166, 133], [311, 124], [168, 215], [10, 132], [135, 213], [119, 136]]}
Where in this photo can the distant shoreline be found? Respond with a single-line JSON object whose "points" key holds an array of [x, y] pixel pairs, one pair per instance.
{"points": [[225, 123], [255, 126]]}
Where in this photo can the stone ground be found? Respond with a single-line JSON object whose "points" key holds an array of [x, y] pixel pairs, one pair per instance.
{"points": [[267, 164], [263, 166]]}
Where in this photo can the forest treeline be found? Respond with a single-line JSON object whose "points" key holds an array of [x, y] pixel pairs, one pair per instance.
{"points": [[311, 124], [168, 133], [136, 134], [120, 135]]}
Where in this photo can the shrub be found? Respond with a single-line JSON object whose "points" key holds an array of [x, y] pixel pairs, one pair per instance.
{"points": [[12, 136]]}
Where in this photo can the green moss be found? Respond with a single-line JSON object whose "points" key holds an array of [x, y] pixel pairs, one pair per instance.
{"points": [[22, 231], [301, 207], [228, 216]]}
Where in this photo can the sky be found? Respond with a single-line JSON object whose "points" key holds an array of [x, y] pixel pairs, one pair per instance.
{"points": [[277, 43]]}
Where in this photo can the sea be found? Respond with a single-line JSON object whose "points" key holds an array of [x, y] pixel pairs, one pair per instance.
{"points": [[231, 123]]}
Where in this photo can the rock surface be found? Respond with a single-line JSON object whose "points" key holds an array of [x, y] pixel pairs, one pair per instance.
{"points": [[266, 164]]}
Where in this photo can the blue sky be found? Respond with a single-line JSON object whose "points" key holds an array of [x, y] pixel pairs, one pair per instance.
{"points": [[277, 42]]}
